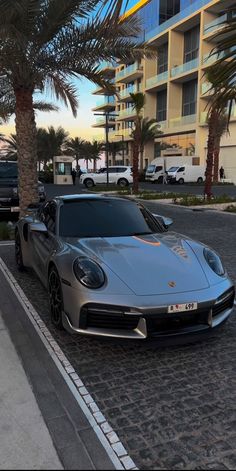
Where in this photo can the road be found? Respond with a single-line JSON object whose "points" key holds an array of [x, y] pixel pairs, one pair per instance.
{"points": [[172, 407]]}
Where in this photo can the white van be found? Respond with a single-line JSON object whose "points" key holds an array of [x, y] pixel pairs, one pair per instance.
{"points": [[155, 171], [186, 174]]}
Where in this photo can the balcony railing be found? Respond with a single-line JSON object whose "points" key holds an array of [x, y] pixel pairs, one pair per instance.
{"points": [[204, 115], [128, 70], [102, 121], [176, 18], [153, 81], [215, 24], [126, 92], [126, 113], [186, 67], [183, 120], [162, 124], [106, 101], [107, 65], [206, 88]]}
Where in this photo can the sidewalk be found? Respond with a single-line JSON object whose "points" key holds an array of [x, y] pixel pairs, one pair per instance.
{"points": [[25, 442]]}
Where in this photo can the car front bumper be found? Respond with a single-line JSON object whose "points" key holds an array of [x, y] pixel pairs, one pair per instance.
{"points": [[152, 319]]}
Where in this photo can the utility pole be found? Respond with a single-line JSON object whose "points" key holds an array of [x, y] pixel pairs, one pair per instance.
{"points": [[107, 115]]}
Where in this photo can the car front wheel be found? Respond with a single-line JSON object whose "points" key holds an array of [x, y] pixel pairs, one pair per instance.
{"points": [[123, 182], [89, 183], [181, 181], [55, 298], [200, 180], [18, 252]]}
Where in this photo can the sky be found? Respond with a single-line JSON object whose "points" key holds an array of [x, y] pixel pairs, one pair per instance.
{"points": [[80, 126]]}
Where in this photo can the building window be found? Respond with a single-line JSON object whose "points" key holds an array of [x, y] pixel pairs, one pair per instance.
{"points": [[189, 102], [181, 142], [161, 105], [162, 59], [191, 44], [168, 8]]}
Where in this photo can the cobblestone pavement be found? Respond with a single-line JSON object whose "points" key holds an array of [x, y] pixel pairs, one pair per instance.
{"points": [[175, 407]]}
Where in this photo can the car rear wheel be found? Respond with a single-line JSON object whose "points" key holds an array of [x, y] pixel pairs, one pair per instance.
{"points": [[55, 298], [89, 183], [123, 182], [181, 181], [18, 252], [200, 180]]}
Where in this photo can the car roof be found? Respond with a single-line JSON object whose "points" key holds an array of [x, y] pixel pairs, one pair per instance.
{"points": [[90, 196]]}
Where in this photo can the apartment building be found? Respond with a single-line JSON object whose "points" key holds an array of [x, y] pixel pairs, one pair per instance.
{"points": [[183, 32]]}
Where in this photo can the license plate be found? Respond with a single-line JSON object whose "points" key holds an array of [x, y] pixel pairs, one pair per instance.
{"points": [[182, 307], [15, 209]]}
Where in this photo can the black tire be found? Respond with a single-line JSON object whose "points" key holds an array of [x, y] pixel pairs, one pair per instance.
{"points": [[181, 181], [123, 182], [18, 252], [55, 298], [200, 180], [89, 183]]}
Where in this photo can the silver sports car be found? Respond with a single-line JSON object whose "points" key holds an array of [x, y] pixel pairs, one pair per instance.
{"points": [[112, 269]]}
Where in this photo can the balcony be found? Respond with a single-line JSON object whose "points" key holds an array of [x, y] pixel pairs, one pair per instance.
{"points": [[204, 116], [215, 25], [209, 59], [117, 135], [184, 68], [130, 73], [124, 95], [103, 91], [107, 103], [157, 80], [101, 122], [206, 90], [183, 121], [108, 67], [127, 114]]}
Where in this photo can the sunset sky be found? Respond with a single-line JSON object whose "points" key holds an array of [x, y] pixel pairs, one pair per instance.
{"points": [[80, 126]]}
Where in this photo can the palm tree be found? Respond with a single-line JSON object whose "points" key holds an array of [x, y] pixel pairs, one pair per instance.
{"points": [[96, 148], [114, 148], [221, 101], [75, 146], [150, 129], [138, 100], [45, 45], [10, 150]]}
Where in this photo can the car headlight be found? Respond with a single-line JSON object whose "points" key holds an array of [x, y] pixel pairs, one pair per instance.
{"points": [[214, 262], [88, 273], [15, 191], [41, 189]]}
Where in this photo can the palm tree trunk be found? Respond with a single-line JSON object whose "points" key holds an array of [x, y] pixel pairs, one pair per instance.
{"points": [[135, 165], [216, 160], [26, 149], [141, 158], [77, 162], [210, 154]]}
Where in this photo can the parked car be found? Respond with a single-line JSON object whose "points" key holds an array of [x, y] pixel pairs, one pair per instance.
{"points": [[112, 269], [119, 175], [186, 174], [9, 200]]}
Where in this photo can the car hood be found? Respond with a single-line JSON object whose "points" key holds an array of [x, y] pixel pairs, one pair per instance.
{"points": [[149, 265]]}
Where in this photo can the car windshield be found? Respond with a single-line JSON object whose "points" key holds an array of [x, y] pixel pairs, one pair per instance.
{"points": [[172, 169], [8, 170], [150, 169], [105, 218]]}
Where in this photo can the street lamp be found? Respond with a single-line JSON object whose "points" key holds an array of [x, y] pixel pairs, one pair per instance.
{"points": [[123, 150], [107, 115]]}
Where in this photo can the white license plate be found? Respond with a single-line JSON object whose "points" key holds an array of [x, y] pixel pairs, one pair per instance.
{"points": [[15, 209], [182, 307]]}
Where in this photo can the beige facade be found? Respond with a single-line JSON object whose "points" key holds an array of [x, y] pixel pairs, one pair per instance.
{"points": [[167, 84]]}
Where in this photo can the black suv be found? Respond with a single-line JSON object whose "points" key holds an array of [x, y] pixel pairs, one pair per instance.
{"points": [[9, 200]]}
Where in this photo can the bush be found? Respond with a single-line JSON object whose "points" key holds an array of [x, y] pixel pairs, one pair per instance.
{"points": [[46, 176], [7, 230], [192, 200]]}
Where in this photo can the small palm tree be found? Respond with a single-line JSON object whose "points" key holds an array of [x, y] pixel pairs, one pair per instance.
{"points": [[114, 148], [45, 45], [150, 129], [10, 150], [75, 146], [138, 100]]}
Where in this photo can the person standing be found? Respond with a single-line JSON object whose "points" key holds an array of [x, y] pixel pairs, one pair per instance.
{"points": [[73, 174], [222, 172]]}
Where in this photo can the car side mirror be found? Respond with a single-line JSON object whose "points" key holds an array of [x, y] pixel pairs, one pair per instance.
{"points": [[167, 222], [38, 227]]}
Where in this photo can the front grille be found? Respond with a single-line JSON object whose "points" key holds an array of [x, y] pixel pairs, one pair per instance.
{"points": [[166, 323], [225, 304], [102, 317]]}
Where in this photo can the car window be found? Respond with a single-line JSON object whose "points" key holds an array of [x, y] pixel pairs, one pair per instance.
{"points": [[158, 168], [8, 170], [181, 169], [48, 216], [105, 218], [121, 169], [112, 170]]}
